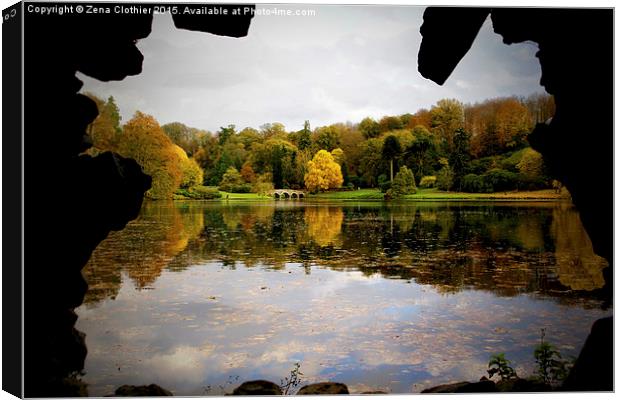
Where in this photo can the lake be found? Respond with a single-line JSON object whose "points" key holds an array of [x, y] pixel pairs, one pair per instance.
{"points": [[201, 296]]}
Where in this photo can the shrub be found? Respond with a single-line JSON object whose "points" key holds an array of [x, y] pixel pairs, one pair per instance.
{"points": [[501, 180], [263, 185], [404, 182], [204, 193], [428, 181], [382, 179], [473, 183], [445, 178], [385, 186], [231, 178], [242, 188]]}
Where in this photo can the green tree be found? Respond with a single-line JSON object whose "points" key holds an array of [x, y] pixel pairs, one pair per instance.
{"points": [[304, 139], [391, 150], [273, 130], [263, 184], [531, 164], [208, 156], [422, 152], [445, 177], [369, 128], [326, 137], [460, 157], [231, 178], [225, 133], [248, 136], [404, 182], [370, 161]]}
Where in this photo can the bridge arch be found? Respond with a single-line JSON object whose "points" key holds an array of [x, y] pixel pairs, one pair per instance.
{"points": [[288, 194]]}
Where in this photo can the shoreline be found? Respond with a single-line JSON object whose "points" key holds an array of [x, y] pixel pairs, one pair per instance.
{"points": [[423, 195]]}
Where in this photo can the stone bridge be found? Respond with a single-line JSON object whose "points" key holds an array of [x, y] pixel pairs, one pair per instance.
{"points": [[288, 194]]}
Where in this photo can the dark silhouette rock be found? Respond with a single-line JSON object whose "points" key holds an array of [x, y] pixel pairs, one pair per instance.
{"points": [[452, 34], [576, 59], [591, 370], [522, 385], [260, 387], [324, 388], [144, 390], [463, 387], [72, 201], [227, 24]]}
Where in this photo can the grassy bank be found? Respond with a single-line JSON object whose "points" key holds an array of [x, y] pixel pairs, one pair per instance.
{"points": [[421, 195], [435, 194]]}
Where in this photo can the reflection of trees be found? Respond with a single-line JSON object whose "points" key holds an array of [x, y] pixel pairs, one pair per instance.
{"points": [[324, 224], [508, 249], [143, 249], [577, 266]]}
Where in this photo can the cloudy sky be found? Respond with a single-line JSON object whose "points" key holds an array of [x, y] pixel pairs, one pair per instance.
{"points": [[343, 64]]}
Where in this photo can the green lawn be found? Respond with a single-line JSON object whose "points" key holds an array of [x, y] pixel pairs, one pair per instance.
{"points": [[243, 196], [422, 194], [362, 194], [435, 194]]}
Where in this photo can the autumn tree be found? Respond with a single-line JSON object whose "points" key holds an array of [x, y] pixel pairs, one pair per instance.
{"points": [[188, 138], [145, 141], [323, 172], [247, 173], [248, 136], [541, 107], [421, 117], [446, 117], [191, 173], [105, 130], [390, 123], [273, 130]]}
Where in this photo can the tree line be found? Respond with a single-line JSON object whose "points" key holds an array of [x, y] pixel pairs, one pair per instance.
{"points": [[479, 147]]}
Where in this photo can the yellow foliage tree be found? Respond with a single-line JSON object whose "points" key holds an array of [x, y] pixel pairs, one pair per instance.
{"points": [[144, 141], [191, 173], [323, 172]]}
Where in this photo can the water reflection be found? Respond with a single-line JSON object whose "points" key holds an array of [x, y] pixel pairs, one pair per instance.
{"points": [[503, 248], [198, 297]]}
